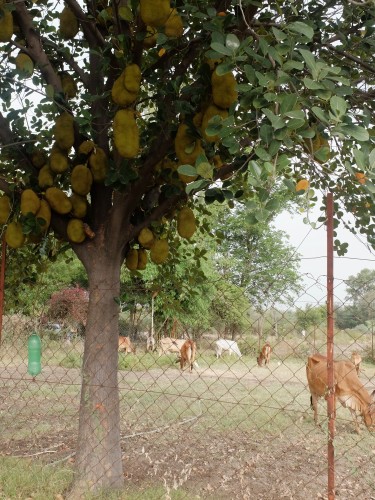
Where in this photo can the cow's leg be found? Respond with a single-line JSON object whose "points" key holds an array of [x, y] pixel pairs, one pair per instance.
{"points": [[314, 403]]}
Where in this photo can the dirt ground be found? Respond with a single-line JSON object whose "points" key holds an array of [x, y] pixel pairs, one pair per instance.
{"points": [[189, 456]]}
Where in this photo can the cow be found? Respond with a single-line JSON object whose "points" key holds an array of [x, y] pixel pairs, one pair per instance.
{"points": [[188, 352], [348, 389], [265, 355], [356, 360], [125, 345], [223, 345], [168, 345]]}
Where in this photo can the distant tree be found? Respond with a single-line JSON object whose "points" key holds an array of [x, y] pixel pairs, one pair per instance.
{"points": [[310, 316], [361, 295]]}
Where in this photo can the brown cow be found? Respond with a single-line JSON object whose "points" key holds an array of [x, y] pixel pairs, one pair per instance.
{"points": [[187, 354], [125, 345], [356, 360], [168, 345], [348, 389], [265, 355]]}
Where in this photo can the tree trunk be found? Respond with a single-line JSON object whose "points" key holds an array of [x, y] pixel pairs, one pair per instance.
{"points": [[98, 458]]}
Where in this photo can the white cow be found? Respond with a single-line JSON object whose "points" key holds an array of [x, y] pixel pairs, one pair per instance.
{"points": [[223, 345]]}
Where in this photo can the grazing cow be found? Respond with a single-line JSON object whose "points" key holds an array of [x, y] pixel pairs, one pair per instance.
{"points": [[356, 360], [125, 345], [348, 389], [265, 355], [223, 345], [168, 345], [187, 354]]}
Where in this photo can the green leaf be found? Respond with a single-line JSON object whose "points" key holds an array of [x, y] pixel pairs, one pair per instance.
{"points": [[221, 49], [338, 105], [262, 154], [232, 42], [187, 170], [196, 185], [320, 114], [310, 62], [301, 28], [359, 159], [205, 170], [273, 205], [357, 132], [371, 160], [223, 68], [276, 121], [312, 84], [125, 13], [279, 35], [288, 101]]}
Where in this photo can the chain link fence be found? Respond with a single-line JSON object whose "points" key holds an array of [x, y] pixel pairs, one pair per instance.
{"points": [[233, 428]]}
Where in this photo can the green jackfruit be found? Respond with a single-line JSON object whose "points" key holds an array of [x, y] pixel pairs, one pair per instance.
{"points": [[224, 92], [120, 94], [6, 25], [58, 200], [159, 251], [44, 213], [154, 12], [98, 163], [209, 113], [58, 160], [142, 259], [146, 238], [173, 27], [187, 148], [69, 26], [79, 204], [186, 224], [69, 85], [131, 260], [76, 231], [81, 180], [45, 177], [30, 202], [126, 133], [14, 235], [132, 78], [64, 131]]}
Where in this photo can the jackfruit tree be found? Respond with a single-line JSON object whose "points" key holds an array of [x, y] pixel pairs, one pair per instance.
{"points": [[119, 120]]}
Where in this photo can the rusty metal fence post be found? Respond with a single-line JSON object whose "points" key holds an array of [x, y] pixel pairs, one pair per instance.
{"points": [[2, 283], [330, 344]]}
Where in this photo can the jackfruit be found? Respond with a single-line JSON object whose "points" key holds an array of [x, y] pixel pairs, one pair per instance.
{"points": [[173, 26], [131, 260], [30, 202], [224, 92], [187, 148], [64, 131], [24, 64], [132, 78], [210, 112], [5, 208], [126, 133], [58, 160], [120, 95], [69, 85], [44, 213], [68, 24], [75, 231], [79, 204], [98, 163], [6, 25], [58, 200], [142, 259], [45, 177], [186, 224], [146, 238], [81, 180], [212, 63], [38, 158], [14, 235], [154, 12], [150, 38], [159, 251]]}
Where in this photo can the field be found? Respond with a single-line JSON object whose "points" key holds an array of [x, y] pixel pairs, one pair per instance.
{"points": [[229, 430]]}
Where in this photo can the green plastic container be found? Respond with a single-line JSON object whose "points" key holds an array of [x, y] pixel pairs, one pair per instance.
{"points": [[34, 347]]}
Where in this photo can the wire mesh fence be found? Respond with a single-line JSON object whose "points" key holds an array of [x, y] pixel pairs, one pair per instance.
{"points": [[238, 426]]}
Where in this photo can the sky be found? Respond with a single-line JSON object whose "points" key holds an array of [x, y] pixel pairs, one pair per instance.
{"points": [[311, 244]]}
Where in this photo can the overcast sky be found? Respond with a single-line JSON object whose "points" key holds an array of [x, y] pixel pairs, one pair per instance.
{"points": [[312, 246]]}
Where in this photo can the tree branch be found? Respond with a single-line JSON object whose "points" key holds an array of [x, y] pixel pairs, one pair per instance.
{"points": [[91, 32], [355, 59]]}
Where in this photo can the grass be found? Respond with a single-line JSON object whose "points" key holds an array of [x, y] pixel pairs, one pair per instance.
{"points": [[20, 479]]}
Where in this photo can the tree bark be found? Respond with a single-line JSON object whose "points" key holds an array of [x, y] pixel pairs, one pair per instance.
{"points": [[98, 459]]}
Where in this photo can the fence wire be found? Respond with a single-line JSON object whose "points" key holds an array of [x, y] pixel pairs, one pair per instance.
{"points": [[232, 428]]}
